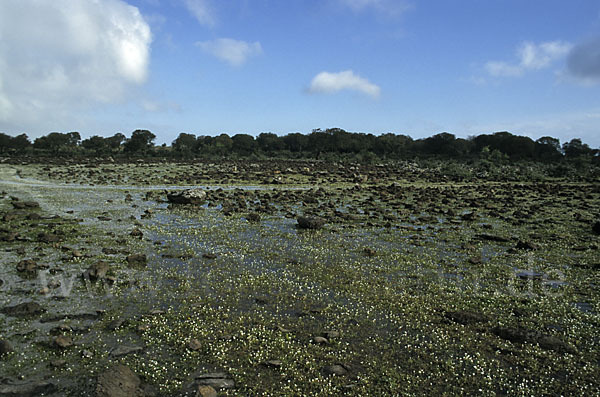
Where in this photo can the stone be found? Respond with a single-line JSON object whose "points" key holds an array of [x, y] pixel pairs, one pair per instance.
{"points": [[137, 260], [136, 233], [125, 350], [27, 389], [217, 380], [312, 223], [119, 381], [206, 391], [5, 347], [194, 344], [336, 369], [319, 340], [96, 271], [63, 341], [466, 317], [23, 309], [596, 227], [189, 196]]}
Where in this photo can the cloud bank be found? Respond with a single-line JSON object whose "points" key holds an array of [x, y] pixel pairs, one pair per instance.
{"points": [[61, 55], [584, 60], [329, 83], [531, 57], [234, 52]]}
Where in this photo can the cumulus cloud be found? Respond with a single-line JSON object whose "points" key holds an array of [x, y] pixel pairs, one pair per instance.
{"points": [[56, 56], [202, 10], [234, 52], [531, 57], [328, 83], [583, 61]]}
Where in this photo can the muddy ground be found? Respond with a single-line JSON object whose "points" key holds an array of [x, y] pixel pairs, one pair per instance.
{"points": [[404, 282]]}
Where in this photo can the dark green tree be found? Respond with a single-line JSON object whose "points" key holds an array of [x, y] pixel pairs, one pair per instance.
{"points": [[141, 142]]}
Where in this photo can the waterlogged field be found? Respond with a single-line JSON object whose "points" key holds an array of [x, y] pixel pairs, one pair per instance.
{"points": [[415, 285]]}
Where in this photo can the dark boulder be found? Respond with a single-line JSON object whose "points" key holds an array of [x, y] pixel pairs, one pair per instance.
{"points": [[189, 196], [312, 223]]}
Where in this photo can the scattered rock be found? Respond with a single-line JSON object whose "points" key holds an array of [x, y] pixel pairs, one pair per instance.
{"points": [[253, 217], [189, 196], [596, 227], [206, 391], [526, 245], [137, 260], [330, 334], [63, 341], [312, 223], [336, 369], [136, 233], [194, 344], [209, 255], [369, 252], [5, 347], [491, 237], [125, 350], [96, 271], [23, 309], [119, 381], [27, 389], [521, 335], [530, 275], [29, 266], [466, 317], [217, 380], [319, 340], [273, 363], [115, 324]]}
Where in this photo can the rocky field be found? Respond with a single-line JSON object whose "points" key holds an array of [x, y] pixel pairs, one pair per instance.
{"points": [[294, 278]]}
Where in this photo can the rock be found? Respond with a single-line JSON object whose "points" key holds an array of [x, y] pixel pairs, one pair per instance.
{"points": [[48, 238], [189, 196], [20, 205], [312, 223], [546, 342], [125, 350], [206, 391], [96, 271], [137, 260], [319, 340], [29, 266], [23, 309], [466, 317], [253, 217], [369, 251], [5, 347], [330, 334], [27, 389], [596, 227], [273, 363], [62, 341], [217, 380], [208, 255], [119, 381], [336, 369], [194, 344], [526, 245], [491, 237], [530, 275], [115, 324], [136, 233]]}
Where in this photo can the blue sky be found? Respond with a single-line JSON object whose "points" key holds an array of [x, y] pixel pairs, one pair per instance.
{"points": [[251, 66]]}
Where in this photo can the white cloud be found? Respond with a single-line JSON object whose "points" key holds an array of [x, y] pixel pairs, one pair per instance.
{"points": [[531, 57], [328, 83], [59, 56], [202, 10], [234, 52]]}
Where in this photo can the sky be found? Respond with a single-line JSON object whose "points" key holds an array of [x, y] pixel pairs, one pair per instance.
{"points": [[414, 67]]}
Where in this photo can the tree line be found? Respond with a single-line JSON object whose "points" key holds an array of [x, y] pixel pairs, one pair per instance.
{"points": [[332, 143]]}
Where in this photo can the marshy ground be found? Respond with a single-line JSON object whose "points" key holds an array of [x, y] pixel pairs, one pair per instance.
{"points": [[415, 284]]}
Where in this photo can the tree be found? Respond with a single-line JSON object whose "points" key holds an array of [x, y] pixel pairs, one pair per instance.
{"points": [[269, 142], [185, 144], [141, 142], [243, 144], [575, 148], [547, 149], [56, 142], [96, 144]]}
